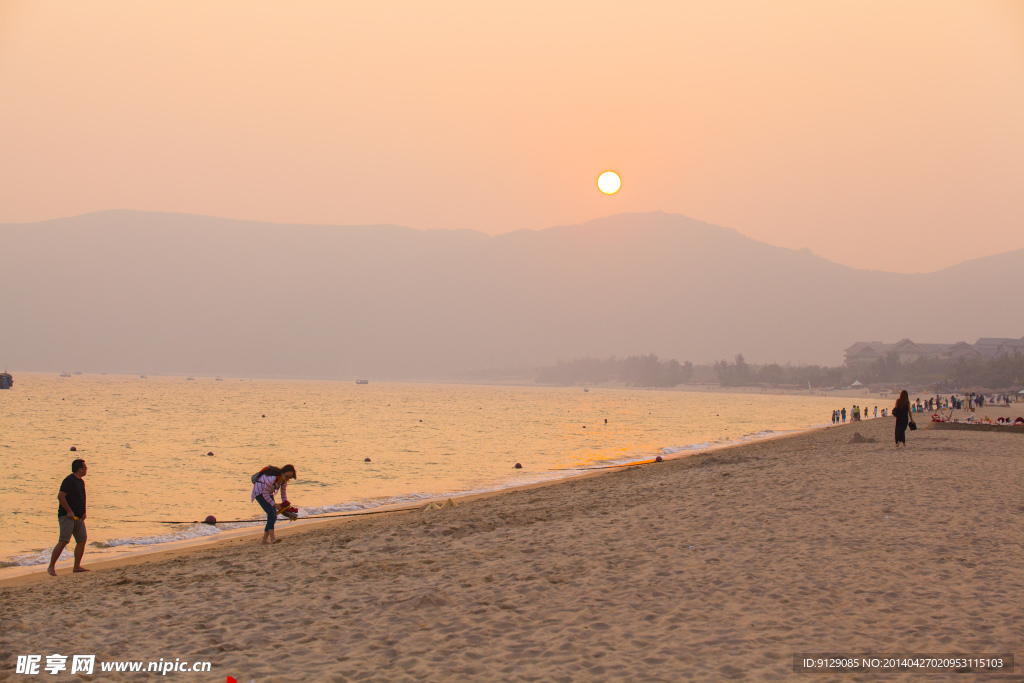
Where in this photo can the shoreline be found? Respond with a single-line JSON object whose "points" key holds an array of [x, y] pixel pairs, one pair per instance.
{"points": [[113, 558], [412, 461], [721, 565], [153, 541], [25, 574]]}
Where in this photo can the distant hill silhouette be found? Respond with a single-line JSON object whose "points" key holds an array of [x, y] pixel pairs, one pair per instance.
{"points": [[127, 291]]}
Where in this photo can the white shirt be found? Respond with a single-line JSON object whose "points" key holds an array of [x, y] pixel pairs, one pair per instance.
{"points": [[266, 486]]}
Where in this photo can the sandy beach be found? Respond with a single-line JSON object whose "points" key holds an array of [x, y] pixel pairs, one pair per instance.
{"points": [[716, 566]]}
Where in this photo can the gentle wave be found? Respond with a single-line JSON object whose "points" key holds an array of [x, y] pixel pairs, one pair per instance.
{"points": [[186, 534]]}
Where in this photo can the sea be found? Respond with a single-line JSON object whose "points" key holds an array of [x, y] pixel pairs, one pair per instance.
{"points": [[165, 452]]}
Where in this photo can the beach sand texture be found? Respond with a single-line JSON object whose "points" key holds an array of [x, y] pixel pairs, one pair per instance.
{"points": [[712, 567]]}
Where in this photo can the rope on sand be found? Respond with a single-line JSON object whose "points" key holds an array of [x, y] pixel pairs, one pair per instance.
{"points": [[261, 520]]}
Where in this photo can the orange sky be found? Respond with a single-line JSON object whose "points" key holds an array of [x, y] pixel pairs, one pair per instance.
{"points": [[880, 134]]}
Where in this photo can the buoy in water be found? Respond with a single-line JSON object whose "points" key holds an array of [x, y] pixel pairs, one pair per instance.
{"points": [[658, 459], [210, 519], [73, 448], [366, 460], [264, 416], [519, 465], [209, 452]]}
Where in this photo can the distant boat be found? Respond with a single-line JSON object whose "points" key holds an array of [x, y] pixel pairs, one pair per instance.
{"points": [[142, 377], [218, 379], [65, 374], [6, 380], [362, 381], [585, 389], [190, 379]]}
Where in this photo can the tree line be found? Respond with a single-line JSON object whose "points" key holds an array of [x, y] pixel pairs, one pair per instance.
{"points": [[650, 371], [739, 373], [1001, 373]]}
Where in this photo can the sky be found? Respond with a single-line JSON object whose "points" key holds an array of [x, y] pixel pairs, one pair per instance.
{"points": [[879, 134]]}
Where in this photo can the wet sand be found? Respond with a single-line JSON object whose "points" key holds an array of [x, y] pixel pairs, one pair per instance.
{"points": [[720, 565]]}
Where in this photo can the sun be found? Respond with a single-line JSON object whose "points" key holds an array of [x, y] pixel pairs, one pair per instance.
{"points": [[609, 182]]}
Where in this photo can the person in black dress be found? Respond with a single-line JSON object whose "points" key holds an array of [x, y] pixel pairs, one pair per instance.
{"points": [[901, 411]]}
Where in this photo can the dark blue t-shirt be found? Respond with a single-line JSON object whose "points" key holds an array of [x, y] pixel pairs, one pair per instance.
{"points": [[74, 494]]}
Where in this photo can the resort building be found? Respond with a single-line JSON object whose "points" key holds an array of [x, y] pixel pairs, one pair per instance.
{"points": [[993, 347], [862, 354]]}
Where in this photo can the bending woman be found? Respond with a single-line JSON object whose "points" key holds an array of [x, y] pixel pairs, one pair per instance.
{"points": [[270, 480], [901, 411]]}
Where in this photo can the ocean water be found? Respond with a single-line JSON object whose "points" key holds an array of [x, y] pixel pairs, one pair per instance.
{"points": [[146, 442]]}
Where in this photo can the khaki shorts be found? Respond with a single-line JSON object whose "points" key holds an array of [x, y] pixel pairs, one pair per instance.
{"points": [[69, 526]]}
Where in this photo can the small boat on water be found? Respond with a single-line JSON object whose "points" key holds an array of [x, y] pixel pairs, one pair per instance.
{"points": [[586, 389], [142, 377], [65, 374], [218, 379], [362, 381], [6, 380], [190, 379]]}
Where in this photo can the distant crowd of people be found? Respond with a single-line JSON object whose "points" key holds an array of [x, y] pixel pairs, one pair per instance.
{"points": [[857, 413], [970, 401], [905, 408]]}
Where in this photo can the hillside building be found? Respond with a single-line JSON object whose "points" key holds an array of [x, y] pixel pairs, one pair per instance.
{"points": [[862, 354]]}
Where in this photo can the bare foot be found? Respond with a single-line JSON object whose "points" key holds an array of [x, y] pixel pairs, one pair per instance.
{"points": [[51, 571], [79, 569]]}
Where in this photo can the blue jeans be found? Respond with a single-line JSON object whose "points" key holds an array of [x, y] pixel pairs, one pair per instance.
{"points": [[271, 513]]}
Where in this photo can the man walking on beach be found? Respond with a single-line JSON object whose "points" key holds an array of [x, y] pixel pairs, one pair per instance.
{"points": [[71, 517]]}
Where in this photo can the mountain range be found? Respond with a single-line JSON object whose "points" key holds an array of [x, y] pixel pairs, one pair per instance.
{"points": [[129, 291]]}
